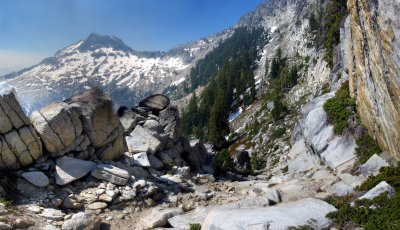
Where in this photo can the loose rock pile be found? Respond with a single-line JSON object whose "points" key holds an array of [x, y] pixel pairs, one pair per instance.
{"points": [[92, 159]]}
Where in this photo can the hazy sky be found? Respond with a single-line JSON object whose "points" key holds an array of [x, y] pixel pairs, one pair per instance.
{"points": [[31, 30]]}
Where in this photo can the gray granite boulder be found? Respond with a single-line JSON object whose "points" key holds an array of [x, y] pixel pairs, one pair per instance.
{"points": [[69, 169], [100, 123], [140, 140], [169, 118], [377, 190], [36, 178], [20, 145], [155, 102], [372, 166], [159, 218], [280, 216], [82, 221], [111, 174], [58, 127]]}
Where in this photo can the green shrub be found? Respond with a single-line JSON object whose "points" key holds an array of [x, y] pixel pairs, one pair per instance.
{"points": [[278, 133], [384, 215], [309, 226], [195, 226], [389, 174], [223, 161], [340, 108], [382, 212], [279, 111], [366, 147], [256, 162], [326, 89]]}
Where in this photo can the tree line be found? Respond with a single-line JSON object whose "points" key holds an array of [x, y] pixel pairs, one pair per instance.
{"points": [[228, 73]]}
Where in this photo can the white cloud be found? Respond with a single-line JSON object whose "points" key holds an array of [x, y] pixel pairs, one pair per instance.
{"points": [[15, 60]]}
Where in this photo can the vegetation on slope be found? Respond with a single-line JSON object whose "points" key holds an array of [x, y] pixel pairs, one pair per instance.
{"points": [[243, 42], [282, 78], [340, 108], [229, 73], [366, 147], [324, 27], [380, 213]]}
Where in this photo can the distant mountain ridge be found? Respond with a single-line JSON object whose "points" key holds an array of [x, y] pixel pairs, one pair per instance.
{"points": [[108, 63]]}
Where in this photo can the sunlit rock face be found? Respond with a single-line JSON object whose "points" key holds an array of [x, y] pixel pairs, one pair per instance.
{"points": [[374, 68]]}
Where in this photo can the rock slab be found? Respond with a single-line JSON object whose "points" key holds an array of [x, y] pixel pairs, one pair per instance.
{"points": [[111, 174], [36, 178], [69, 169], [280, 216]]}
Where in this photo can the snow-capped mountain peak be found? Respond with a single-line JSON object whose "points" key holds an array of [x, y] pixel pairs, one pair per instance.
{"points": [[108, 63]]}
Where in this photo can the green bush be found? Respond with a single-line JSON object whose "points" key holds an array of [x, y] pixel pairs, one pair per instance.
{"points": [[384, 215], [223, 161], [382, 212], [195, 226], [366, 147], [389, 174], [256, 162], [278, 133], [279, 111], [309, 226], [340, 108]]}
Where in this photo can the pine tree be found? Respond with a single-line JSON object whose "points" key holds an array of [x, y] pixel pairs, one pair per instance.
{"points": [[218, 125], [190, 118]]}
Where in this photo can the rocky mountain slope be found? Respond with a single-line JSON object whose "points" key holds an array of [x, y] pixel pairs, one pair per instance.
{"points": [[109, 64]]}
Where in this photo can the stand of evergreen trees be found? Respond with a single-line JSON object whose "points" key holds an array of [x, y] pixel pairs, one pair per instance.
{"points": [[228, 71], [243, 41], [324, 27], [282, 78]]}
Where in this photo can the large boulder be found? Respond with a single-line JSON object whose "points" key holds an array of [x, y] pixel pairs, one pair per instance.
{"points": [[111, 174], [59, 128], [372, 166], [12, 115], [340, 151], [280, 216], [377, 190], [315, 122], [169, 118], [100, 123], [159, 218], [20, 145], [36, 178], [129, 120], [69, 169], [155, 102], [140, 140], [196, 154], [301, 159], [82, 221]]}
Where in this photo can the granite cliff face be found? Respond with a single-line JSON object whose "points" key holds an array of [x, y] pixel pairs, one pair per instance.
{"points": [[374, 68]]}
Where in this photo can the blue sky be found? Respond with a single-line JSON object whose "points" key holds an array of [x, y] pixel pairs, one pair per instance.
{"points": [[31, 30]]}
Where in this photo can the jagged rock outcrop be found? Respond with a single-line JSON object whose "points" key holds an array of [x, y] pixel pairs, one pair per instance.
{"points": [[19, 143], [85, 124], [374, 68]]}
